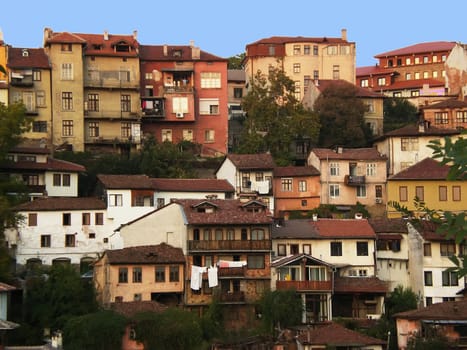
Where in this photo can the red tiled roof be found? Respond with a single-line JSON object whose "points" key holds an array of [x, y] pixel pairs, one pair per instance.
{"points": [[107, 46], [252, 161], [388, 226], [414, 130], [65, 38], [297, 39], [344, 228], [131, 308], [349, 154], [336, 335], [153, 254], [448, 311], [434, 46], [62, 203], [6, 287], [372, 70], [296, 171], [451, 103], [36, 58], [226, 211], [51, 165], [124, 182], [360, 285], [427, 169], [156, 53], [192, 185], [412, 84], [29, 150]]}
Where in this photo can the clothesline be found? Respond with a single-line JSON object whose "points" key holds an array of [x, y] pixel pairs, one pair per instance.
{"points": [[197, 273]]}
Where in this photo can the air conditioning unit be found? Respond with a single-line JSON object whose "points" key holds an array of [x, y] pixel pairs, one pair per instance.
{"points": [[179, 115], [379, 200]]}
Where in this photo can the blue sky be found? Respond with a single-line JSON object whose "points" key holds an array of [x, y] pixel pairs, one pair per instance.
{"points": [[224, 28]]}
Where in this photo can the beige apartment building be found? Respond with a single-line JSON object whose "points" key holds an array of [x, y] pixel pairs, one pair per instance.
{"points": [[303, 59]]}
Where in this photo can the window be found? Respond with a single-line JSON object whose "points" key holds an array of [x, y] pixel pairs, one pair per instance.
{"points": [[306, 80], [66, 219], [414, 93], [306, 49], [218, 235], [125, 129], [403, 193], [461, 117], [405, 165], [209, 106], [115, 200], [93, 129], [417, 60], [441, 118], [379, 191], [255, 261], [361, 191], [160, 202], [447, 248], [39, 126], [67, 128], [206, 235], [407, 61], [435, 74], [296, 67], [46, 241], [93, 102], [210, 80], [238, 92], [417, 75], [425, 75], [125, 103], [281, 249], [456, 193], [420, 192], [160, 274], [428, 301], [336, 248], [57, 180], [381, 81], [167, 135], [99, 218], [408, 76], [40, 98], [32, 219], [334, 169], [209, 135], [86, 219], [428, 278], [450, 278], [362, 248], [307, 249], [286, 184], [315, 75], [70, 240], [187, 134], [334, 190], [443, 193], [67, 71], [259, 176], [297, 90], [174, 273], [397, 94], [257, 234], [335, 72], [123, 275], [246, 182], [364, 83], [67, 101], [371, 169], [315, 50], [137, 275], [302, 186], [297, 49], [180, 104], [230, 235], [332, 50], [426, 249]]}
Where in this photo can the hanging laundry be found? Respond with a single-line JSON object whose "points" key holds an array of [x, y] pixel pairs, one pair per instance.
{"points": [[196, 277], [226, 264], [212, 276]]}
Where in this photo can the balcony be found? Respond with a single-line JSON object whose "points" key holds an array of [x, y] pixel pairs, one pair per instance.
{"points": [[111, 80], [354, 180], [26, 81], [232, 297], [153, 108], [112, 115], [261, 245], [109, 140], [178, 89], [305, 285]]}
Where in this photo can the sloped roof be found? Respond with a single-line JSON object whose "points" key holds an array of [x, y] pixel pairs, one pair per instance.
{"points": [[428, 47], [51, 164], [349, 154], [451, 103], [426, 169], [360, 285], [107, 46], [153, 254], [62, 203], [6, 287], [285, 260], [385, 225], [308, 170], [412, 84], [192, 185], [131, 308], [372, 70], [35, 58], [236, 75], [123, 182], [297, 39], [156, 53], [448, 310], [290, 229], [252, 161], [226, 211], [65, 38], [414, 130], [336, 335]]}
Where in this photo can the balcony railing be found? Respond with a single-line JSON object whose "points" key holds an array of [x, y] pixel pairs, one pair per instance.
{"points": [[111, 114], [231, 272], [354, 180], [304, 285], [109, 140], [230, 245], [178, 89], [232, 297]]}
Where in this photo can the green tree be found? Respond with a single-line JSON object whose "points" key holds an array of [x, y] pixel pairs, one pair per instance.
{"points": [[102, 330], [341, 114], [236, 62], [398, 112], [275, 118]]}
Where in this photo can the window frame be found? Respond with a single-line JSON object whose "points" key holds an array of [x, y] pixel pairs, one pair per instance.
{"points": [[335, 248]]}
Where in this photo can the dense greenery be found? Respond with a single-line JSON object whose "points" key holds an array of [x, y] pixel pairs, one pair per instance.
{"points": [[275, 118], [236, 62], [398, 112]]}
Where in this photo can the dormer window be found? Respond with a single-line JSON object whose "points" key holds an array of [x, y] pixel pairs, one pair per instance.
{"points": [[122, 47], [97, 47], [177, 53], [205, 207], [25, 53]]}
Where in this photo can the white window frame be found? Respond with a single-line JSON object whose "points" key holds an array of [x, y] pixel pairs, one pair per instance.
{"points": [[115, 200], [66, 71], [180, 104], [209, 106], [210, 80], [334, 191], [371, 169], [334, 169]]}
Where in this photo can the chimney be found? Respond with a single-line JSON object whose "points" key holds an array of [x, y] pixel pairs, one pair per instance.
{"points": [[106, 35], [1, 36], [135, 34], [344, 34], [192, 43], [165, 50], [195, 53]]}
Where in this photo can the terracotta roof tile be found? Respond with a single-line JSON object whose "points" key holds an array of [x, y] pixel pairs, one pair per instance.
{"points": [[349, 154], [451, 103], [154, 254], [412, 84], [360, 285], [434, 46], [36, 58], [131, 308], [62, 203], [156, 53], [124, 182], [427, 169], [65, 38], [388, 225], [297, 39], [252, 161], [372, 70], [414, 130], [107, 46], [448, 310], [192, 185], [6, 287], [51, 165], [336, 335], [296, 171]]}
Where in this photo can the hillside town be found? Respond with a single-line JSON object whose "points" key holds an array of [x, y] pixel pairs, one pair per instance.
{"points": [[343, 224]]}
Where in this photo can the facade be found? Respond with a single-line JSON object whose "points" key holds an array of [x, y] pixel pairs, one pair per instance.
{"points": [[184, 96], [144, 273], [236, 91], [303, 59], [349, 176], [251, 175], [426, 180], [295, 189], [3, 76], [448, 114]]}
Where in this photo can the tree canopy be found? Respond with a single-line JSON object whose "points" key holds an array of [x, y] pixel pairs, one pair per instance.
{"points": [[275, 118], [236, 62], [398, 112]]}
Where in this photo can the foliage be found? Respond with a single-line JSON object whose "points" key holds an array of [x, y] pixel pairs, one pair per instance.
{"points": [[398, 112], [432, 339], [212, 321], [13, 123], [102, 330], [275, 118], [173, 329], [341, 114], [401, 299], [236, 62], [280, 309]]}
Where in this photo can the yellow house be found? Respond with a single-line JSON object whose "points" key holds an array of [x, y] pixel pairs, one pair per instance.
{"points": [[427, 181], [3, 76]]}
